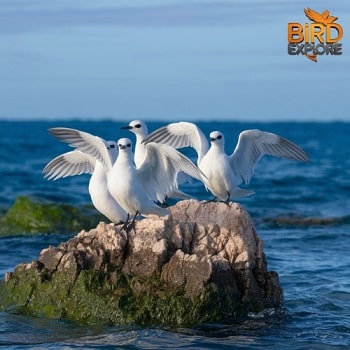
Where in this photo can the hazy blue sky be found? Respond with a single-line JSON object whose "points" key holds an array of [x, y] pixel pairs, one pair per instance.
{"points": [[160, 59]]}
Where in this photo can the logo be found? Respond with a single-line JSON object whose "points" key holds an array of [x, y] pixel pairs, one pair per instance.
{"points": [[320, 37]]}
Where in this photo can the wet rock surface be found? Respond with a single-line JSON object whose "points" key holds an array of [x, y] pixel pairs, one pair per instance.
{"points": [[202, 263], [30, 215]]}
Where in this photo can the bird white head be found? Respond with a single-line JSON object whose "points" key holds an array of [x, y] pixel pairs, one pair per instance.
{"points": [[112, 149], [124, 144], [138, 127], [111, 144], [217, 138]]}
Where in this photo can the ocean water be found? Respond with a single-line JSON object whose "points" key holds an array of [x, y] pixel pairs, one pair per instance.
{"points": [[301, 212]]}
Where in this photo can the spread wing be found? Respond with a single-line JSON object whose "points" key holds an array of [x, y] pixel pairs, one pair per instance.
{"points": [[95, 146], [254, 144], [158, 173], [182, 134], [69, 164]]}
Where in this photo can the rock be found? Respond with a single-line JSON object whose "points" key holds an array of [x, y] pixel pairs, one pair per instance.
{"points": [[30, 215], [202, 263]]}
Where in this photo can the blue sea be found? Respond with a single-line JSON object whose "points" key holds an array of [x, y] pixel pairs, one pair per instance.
{"points": [[301, 212]]}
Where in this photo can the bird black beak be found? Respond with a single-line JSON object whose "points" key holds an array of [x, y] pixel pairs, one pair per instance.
{"points": [[128, 127], [122, 146], [212, 139]]}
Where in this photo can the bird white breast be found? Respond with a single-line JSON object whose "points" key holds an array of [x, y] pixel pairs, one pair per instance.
{"points": [[120, 186], [218, 172]]}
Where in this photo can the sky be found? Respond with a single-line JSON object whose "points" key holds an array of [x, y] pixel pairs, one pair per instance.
{"points": [[167, 60]]}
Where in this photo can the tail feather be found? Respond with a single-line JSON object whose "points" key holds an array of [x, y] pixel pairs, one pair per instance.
{"points": [[240, 192], [155, 210], [179, 194]]}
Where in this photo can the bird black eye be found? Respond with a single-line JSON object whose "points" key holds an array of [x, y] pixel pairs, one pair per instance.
{"points": [[138, 126], [120, 145], [128, 145], [111, 146], [219, 137]]}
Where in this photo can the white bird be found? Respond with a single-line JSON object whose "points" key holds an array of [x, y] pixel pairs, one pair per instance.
{"points": [[139, 128], [135, 189], [224, 173], [76, 163]]}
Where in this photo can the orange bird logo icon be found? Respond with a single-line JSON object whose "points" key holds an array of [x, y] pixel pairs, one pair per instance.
{"points": [[316, 17]]}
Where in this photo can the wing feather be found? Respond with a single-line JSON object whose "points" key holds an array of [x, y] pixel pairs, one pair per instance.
{"points": [[162, 164], [93, 145], [254, 144], [69, 164], [182, 134]]}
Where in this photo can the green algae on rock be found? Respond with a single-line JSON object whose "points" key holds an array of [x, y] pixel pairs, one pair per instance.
{"points": [[202, 263], [30, 215]]}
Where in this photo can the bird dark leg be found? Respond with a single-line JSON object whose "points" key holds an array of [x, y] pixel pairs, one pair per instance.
{"points": [[119, 223], [227, 201], [125, 224], [132, 223], [211, 200], [228, 198], [163, 204]]}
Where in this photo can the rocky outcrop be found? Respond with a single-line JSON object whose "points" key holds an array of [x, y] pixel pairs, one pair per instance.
{"points": [[204, 262]]}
